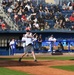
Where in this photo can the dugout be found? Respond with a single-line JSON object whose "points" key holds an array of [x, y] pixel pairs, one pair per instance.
{"points": [[6, 36]]}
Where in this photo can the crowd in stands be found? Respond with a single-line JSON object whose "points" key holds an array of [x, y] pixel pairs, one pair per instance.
{"points": [[3, 25], [29, 16]]}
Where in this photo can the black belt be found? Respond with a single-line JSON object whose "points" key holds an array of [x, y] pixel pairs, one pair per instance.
{"points": [[30, 44]]}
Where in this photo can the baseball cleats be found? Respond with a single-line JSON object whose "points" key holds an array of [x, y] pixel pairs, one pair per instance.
{"points": [[35, 60], [20, 59]]}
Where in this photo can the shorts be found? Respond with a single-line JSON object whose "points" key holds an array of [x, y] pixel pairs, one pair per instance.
{"points": [[29, 48]]}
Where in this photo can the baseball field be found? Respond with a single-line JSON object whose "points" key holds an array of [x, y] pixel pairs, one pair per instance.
{"points": [[46, 65]]}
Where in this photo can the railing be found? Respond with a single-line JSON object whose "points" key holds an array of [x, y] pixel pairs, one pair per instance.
{"points": [[7, 19]]}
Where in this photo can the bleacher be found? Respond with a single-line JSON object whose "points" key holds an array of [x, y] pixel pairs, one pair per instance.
{"points": [[51, 8]]}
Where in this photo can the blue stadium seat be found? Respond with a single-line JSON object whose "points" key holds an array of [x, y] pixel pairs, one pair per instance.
{"points": [[45, 44], [68, 24], [56, 43], [72, 43], [50, 22], [64, 42]]}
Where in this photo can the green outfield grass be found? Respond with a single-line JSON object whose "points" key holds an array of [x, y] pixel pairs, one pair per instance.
{"points": [[68, 67], [5, 71], [43, 58]]}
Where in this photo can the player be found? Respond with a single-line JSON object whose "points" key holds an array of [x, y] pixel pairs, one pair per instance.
{"points": [[24, 44], [29, 45], [51, 42], [13, 46]]}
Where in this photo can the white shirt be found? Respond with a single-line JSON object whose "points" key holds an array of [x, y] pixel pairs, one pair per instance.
{"points": [[36, 25], [28, 40], [9, 10], [28, 7], [23, 40], [52, 39], [12, 44], [35, 20]]}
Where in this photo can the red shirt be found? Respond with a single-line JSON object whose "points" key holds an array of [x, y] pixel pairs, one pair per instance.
{"points": [[3, 25], [71, 18], [24, 17]]}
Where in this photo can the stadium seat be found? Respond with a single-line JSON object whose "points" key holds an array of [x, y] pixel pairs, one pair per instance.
{"points": [[45, 44], [56, 43]]}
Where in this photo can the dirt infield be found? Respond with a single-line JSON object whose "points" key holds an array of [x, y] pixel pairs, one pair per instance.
{"points": [[38, 68]]}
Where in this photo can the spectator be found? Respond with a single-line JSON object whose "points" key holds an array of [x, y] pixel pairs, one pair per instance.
{"points": [[24, 17], [35, 18], [70, 5], [41, 26], [73, 5], [36, 25], [51, 16], [4, 4], [35, 42], [40, 7], [57, 25], [27, 7], [62, 24], [72, 17], [3, 26], [46, 26], [16, 18], [46, 11], [57, 9], [72, 28], [28, 28], [64, 7], [1, 22], [41, 13], [61, 20], [67, 19], [10, 10], [61, 17], [20, 12], [40, 41]]}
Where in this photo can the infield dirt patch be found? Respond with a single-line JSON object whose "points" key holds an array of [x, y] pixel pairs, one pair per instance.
{"points": [[38, 68]]}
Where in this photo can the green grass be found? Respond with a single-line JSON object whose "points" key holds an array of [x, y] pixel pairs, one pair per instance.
{"points": [[68, 67], [43, 58], [5, 71], [55, 58]]}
